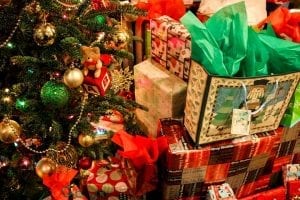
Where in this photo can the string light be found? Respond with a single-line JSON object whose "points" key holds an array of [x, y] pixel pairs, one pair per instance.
{"points": [[6, 42], [69, 135], [70, 5]]}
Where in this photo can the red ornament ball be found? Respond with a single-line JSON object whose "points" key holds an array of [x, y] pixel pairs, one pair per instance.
{"points": [[25, 163], [85, 162]]}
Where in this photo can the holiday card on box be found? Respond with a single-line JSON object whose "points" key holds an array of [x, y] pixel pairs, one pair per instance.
{"points": [[171, 45], [211, 100], [160, 91], [220, 192]]}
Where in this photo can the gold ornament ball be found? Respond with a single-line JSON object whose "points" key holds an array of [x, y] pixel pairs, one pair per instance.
{"points": [[68, 158], [10, 130], [73, 77], [119, 40], [45, 166], [85, 140], [44, 34]]}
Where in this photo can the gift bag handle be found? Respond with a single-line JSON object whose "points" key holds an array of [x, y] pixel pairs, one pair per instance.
{"points": [[274, 90]]}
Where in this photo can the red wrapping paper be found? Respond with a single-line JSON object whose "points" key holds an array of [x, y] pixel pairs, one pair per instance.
{"points": [[157, 8], [59, 182], [277, 193], [143, 152], [285, 23], [108, 178]]}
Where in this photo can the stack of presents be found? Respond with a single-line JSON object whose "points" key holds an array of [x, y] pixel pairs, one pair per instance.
{"points": [[225, 96]]}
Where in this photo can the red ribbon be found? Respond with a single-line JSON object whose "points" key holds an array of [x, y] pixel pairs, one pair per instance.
{"points": [[143, 152], [156, 8], [59, 182], [285, 23]]}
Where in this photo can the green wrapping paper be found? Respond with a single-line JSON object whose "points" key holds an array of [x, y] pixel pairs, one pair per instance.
{"points": [[292, 114], [255, 63], [229, 27], [221, 44], [205, 49], [284, 54]]}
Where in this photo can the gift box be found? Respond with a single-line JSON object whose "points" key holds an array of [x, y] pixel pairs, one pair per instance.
{"points": [[277, 193], [160, 91], [171, 45], [109, 180], [239, 162], [291, 179], [211, 101], [219, 192]]}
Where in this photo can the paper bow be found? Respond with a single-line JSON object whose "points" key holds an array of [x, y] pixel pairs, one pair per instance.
{"points": [[59, 182], [143, 152]]}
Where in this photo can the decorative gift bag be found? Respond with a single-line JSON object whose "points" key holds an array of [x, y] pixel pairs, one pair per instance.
{"points": [[219, 104]]}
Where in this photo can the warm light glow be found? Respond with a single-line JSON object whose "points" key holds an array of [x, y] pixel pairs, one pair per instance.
{"points": [[6, 90], [6, 99]]}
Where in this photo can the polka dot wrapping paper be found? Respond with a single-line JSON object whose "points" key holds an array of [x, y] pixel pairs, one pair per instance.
{"points": [[109, 181]]}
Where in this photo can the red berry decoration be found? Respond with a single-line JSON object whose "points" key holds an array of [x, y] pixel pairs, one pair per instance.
{"points": [[85, 162]]}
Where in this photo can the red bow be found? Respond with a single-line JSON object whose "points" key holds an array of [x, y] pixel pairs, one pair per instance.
{"points": [[59, 182], [143, 152]]}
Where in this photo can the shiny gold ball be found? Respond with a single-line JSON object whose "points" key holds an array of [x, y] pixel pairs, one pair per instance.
{"points": [[85, 140], [10, 130], [73, 77], [44, 34], [45, 166], [68, 158], [118, 40]]}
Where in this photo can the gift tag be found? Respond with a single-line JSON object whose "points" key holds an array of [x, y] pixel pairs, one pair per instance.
{"points": [[241, 122]]}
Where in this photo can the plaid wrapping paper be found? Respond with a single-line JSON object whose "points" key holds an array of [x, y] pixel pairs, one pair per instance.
{"points": [[160, 91], [171, 45], [240, 162]]}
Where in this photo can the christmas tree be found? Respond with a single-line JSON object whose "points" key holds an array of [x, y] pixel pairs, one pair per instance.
{"points": [[62, 71]]}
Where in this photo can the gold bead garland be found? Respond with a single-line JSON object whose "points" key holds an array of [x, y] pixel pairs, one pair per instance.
{"points": [[69, 4], [69, 136], [11, 34]]}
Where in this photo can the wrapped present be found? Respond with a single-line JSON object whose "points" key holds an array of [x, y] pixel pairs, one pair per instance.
{"points": [[107, 180], [219, 192], [160, 91], [240, 162], [291, 179], [277, 193], [171, 45]]}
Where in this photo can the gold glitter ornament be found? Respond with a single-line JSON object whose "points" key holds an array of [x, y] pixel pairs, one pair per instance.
{"points": [[73, 77], [85, 140], [118, 40], [44, 34], [68, 158], [10, 130], [45, 166]]}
